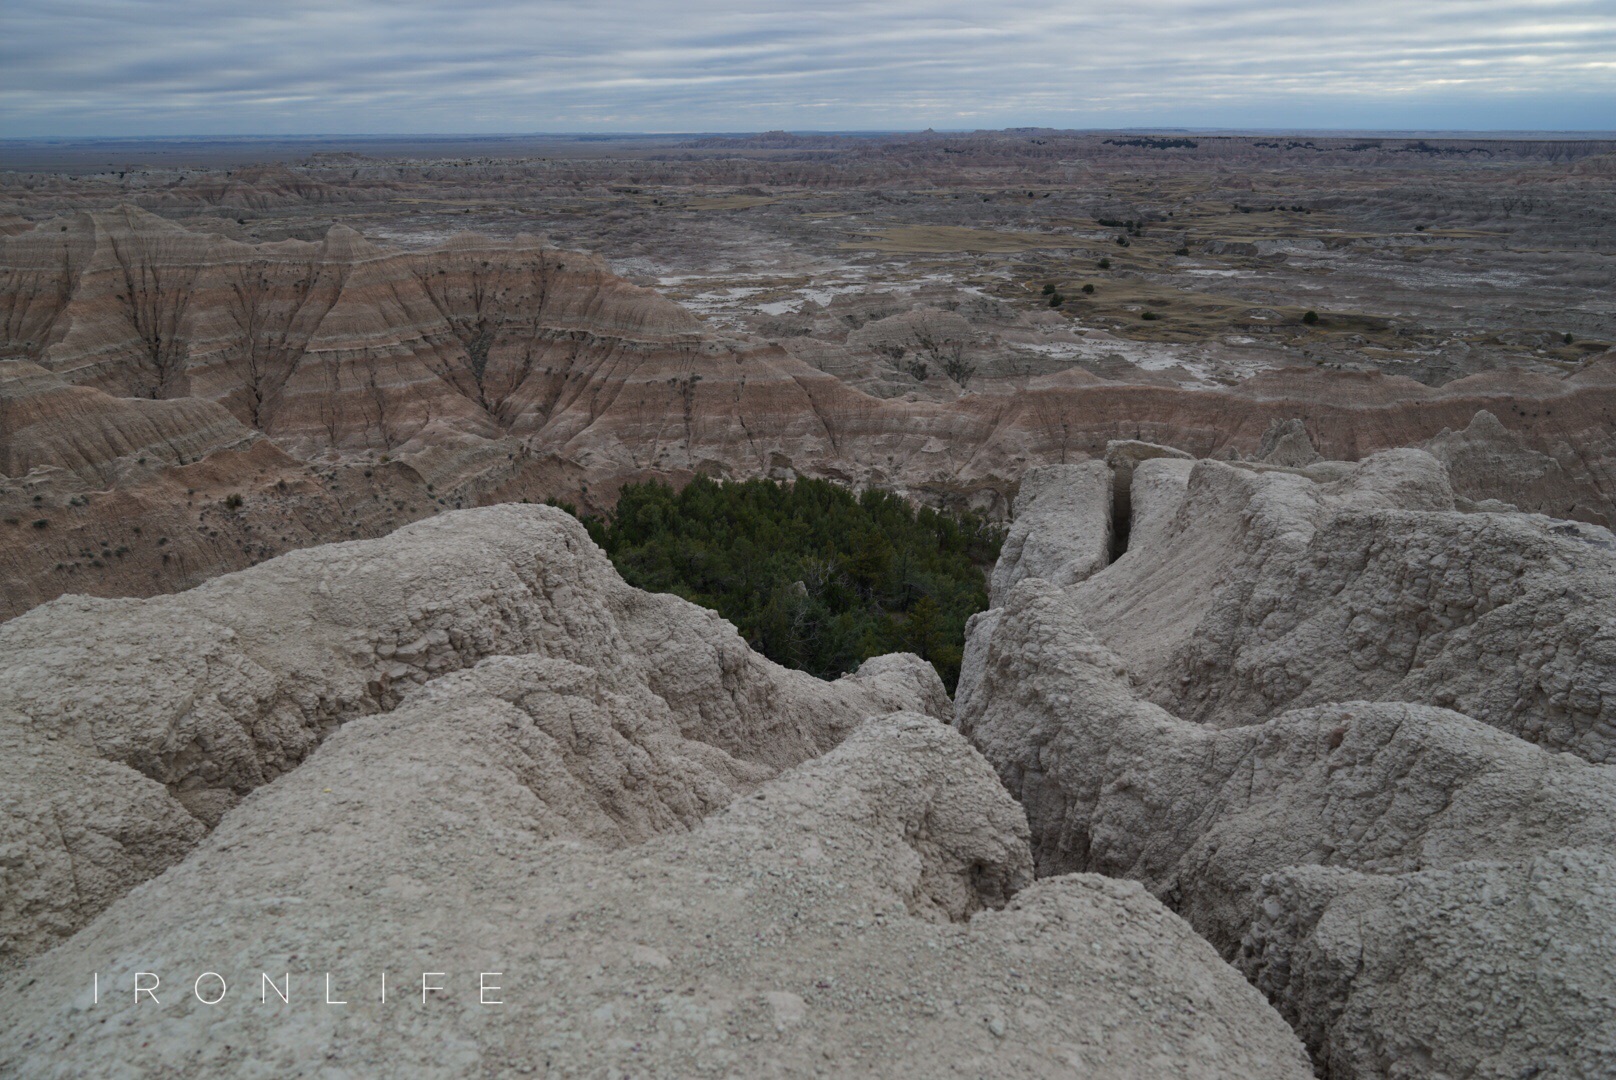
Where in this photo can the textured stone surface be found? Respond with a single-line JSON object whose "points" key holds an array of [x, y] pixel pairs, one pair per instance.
{"points": [[1482, 969], [1270, 590], [1079, 497], [1488, 461], [812, 926], [187, 703], [1419, 891]]}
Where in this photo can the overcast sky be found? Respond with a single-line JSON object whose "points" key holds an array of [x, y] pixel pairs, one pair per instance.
{"points": [[172, 67]]}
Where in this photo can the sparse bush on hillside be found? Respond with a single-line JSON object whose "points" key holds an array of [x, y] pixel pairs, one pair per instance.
{"points": [[813, 575], [1105, 264], [1089, 289], [956, 367], [1311, 318]]}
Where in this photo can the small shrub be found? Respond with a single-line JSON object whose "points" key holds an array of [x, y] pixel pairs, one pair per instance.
{"points": [[232, 502], [1569, 339], [1311, 318], [41, 524], [959, 369], [1056, 300], [1089, 289], [1105, 264], [561, 504], [1049, 289], [1182, 251], [1122, 241], [1150, 315]]}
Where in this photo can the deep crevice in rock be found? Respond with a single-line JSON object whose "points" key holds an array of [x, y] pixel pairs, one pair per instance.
{"points": [[1121, 514]]}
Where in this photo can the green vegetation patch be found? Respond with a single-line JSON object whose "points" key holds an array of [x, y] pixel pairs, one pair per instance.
{"points": [[814, 576]]}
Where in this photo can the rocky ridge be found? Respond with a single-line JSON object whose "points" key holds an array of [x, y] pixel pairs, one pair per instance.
{"points": [[1418, 881], [214, 692], [480, 731]]}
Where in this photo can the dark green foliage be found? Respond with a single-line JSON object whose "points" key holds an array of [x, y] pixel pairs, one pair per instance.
{"points": [[1049, 288], [1311, 318], [1056, 299], [1089, 289], [1155, 144], [1150, 315], [1569, 339], [232, 502], [1105, 264], [814, 576]]}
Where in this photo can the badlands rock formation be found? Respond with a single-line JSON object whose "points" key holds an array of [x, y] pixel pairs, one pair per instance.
{"points": [[1301, 709], [496, 757], [182, 705], [238, 400], [1062, 529]]}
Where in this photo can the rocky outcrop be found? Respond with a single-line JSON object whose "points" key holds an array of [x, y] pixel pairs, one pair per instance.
{"points": [[1351, 858], [1268, 590], [1487, 461], [185, 704], [815, 925], [1080, 497], [1373, 969], [1287, 443], [1419, 889]]}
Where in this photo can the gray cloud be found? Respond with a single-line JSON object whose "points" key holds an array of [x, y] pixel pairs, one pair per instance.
{"points": [[83, 67]]}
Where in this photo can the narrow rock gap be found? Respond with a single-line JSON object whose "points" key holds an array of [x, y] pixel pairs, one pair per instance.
{"points": [[1121, 513]]}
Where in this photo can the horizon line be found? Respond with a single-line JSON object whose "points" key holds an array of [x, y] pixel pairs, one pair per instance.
{"points": [[1209, 132]]}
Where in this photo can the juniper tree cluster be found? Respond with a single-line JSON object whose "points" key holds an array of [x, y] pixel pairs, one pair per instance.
{"points": [[813, 575]]}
